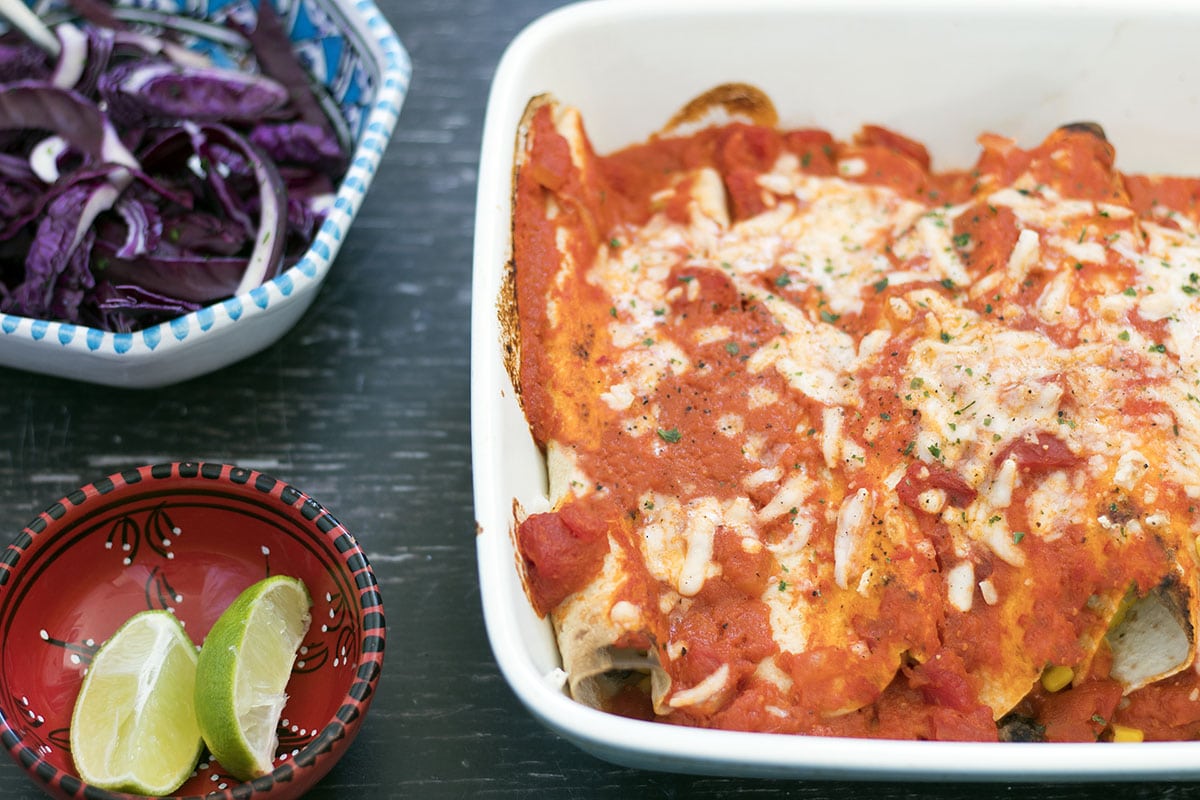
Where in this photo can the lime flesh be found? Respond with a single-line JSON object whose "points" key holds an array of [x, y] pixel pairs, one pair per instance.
{"points": [[243, 671], [134, 725]]}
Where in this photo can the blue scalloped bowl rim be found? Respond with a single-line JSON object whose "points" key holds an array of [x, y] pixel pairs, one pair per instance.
{"points": [[350, 48]]}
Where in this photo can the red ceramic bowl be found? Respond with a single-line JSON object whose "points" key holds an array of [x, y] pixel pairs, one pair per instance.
{"points": [[186, 537]]}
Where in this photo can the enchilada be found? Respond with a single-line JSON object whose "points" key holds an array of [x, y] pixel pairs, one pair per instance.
{"points": [[841, 444]]}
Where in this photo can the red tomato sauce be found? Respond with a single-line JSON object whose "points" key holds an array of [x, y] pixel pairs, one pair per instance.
{"points": [[562, 550]]}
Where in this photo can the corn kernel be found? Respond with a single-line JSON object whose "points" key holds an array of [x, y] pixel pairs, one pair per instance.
{"points": [[1056, 678], [1123, 733], [1130, 596]]}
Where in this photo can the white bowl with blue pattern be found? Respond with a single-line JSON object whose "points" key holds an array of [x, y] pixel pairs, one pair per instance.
{"points": [[350, 48]]}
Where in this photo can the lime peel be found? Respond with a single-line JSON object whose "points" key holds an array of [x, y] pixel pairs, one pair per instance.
{"points": [[134, 727], [243, 670]]}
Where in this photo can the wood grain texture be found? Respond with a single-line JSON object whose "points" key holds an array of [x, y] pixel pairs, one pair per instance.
{"points": [[365, 405]]}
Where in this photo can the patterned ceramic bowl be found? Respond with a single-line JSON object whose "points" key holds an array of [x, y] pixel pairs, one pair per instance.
{"points": [[350, 49], [188, 537]]}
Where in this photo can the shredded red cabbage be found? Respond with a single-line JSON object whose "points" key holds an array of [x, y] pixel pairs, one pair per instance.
{"points": [[138, 182]]}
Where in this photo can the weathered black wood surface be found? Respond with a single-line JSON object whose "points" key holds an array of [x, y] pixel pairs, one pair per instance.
{"points": [[365, 405]]}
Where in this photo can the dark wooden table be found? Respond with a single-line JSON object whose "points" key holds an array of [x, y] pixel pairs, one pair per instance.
{"points": [[365, 405]]}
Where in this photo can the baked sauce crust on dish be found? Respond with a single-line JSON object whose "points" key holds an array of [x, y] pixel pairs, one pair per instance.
{"points": [[842, 445]]}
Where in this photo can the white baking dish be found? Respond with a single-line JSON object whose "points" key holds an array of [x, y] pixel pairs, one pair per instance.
{"points": [[940, 72]]}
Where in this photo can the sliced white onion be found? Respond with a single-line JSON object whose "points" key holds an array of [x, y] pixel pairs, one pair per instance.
{"points": [[72, 56], [43, 158], [25, 20]]}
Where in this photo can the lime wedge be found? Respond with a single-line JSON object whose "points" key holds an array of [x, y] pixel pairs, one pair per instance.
{"points": [[243, 671], [134, 726]]}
